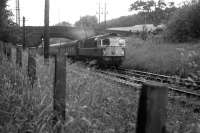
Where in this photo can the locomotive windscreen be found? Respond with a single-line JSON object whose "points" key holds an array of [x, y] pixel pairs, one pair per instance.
{"points": [[90, 43], [106, 42]]}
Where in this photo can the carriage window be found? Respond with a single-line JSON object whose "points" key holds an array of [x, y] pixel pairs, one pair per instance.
{"points": [[106, 42]]}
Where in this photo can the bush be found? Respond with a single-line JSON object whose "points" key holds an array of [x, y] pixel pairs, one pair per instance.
{"points": [[184, 24]]}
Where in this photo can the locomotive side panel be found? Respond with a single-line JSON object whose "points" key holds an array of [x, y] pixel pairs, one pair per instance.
{"points": [[90, 52]]}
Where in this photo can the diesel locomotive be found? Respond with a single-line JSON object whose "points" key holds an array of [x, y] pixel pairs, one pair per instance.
{"points": [[107, 49]]}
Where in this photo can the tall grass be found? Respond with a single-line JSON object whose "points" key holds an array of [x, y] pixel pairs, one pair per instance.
{"points": [[93, 104], [23, 108], [164, 58]]}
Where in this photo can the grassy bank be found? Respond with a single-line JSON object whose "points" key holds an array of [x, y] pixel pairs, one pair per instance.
{"points": [[23, 108], [164, 58], [93, 103]]}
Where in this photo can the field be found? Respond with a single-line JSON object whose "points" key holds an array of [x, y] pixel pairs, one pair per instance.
{"points": [[156, 56], [93, 103]]}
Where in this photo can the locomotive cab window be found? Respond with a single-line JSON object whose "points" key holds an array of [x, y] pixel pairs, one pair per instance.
{"points": [[106, 42], [95, 43], [99, 43]]}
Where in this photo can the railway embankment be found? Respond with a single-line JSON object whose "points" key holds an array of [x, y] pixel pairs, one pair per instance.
{"points": [[159, 57], [94, 104]]}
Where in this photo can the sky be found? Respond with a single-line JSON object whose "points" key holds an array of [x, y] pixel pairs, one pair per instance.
{"points": [[70, 10]]}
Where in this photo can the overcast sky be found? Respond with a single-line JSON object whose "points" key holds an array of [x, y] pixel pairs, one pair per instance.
{"points": [[70, 10]]}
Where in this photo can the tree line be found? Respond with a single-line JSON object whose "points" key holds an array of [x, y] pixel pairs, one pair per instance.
{"points": [[183, 23], [7, 26], [4, 20]]}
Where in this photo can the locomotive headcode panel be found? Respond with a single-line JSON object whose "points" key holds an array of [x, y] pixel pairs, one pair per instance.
{"points": [[116, 47]]}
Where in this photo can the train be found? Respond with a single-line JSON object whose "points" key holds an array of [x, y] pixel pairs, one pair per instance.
{"points": [[107, 49]]}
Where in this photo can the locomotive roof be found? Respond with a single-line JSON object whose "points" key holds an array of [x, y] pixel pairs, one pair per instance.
{"points": [[63, 44], [103, 36]]}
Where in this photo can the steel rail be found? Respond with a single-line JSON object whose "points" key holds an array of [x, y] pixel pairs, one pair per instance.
{"points": [[125, 79], [161, 78]]}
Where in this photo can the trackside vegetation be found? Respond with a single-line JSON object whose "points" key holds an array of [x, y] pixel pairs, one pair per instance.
{"points": [[184, 26], [93, 104], [181, 59]]}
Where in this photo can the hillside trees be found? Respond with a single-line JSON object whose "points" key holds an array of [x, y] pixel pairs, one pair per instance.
{"points": [[87, 21], [154, 12], [3, 14], [4, 21], [64, 23], [8, 29], [184, 25], [150, 12]]}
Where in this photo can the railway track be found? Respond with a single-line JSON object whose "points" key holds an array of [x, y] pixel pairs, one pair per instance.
{"points": [[181, 82], [136, 78]]}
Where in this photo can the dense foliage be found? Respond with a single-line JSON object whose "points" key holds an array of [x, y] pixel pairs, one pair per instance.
{"points": [[87, 21], [185, 23], [9, 31], [149, 12], [64, 23], [155, 12], [3, 19]]}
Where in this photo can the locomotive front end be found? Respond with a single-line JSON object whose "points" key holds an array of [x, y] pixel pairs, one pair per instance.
{"points": [[113, 50], [114, 47]]}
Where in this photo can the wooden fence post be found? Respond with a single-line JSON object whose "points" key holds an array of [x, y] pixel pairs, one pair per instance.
{"points": [[4, 49], [13, 53], [8, 51], [59, 97], [19, 56], [31, 66], [152, 108], [1, 51]]}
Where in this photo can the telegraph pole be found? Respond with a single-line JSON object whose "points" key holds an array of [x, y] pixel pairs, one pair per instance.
{"points": [[99, 12], [46, 30], [24, 33], [105, 13]]}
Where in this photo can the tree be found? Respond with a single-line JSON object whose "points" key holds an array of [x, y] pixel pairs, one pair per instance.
{"points": [[161, 4], [170, 10], [145, 8], [3, 17], [142, 6], [156, 12], [5, 21], [159, 13], [184, 24], [87, 21], [64, 23]]}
